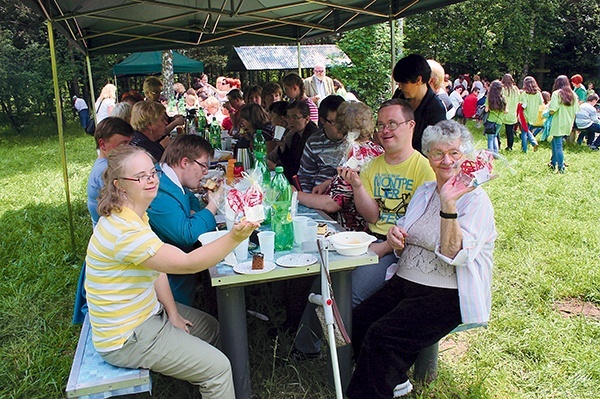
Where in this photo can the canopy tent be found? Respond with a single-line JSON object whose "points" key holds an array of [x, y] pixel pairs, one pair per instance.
{"points": [[258, 58], [121, 26], [150, 63]]}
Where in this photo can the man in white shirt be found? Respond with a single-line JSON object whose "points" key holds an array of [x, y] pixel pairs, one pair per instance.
{"points": [[82, 109], [318, 86]]}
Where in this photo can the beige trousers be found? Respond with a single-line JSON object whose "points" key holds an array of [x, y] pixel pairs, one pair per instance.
{"points": [[159, 346]]}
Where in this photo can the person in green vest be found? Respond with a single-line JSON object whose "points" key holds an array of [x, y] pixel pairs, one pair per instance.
{"points": [[495, 104], [563, 107], [579, 88], [510, 91]]}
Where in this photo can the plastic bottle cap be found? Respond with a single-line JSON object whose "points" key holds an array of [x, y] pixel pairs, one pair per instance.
{"points": [[279, 169]]}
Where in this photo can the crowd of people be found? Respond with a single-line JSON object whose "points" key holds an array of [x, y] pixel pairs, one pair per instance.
{"points": [[435, 233]]}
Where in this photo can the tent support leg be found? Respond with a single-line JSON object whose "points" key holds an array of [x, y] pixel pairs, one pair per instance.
{"points": [[59, 122], [91, 82]]}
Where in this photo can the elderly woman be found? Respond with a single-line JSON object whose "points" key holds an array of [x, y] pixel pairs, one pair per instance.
{"points": [[135, 321], [149, 120], [445, 243]]}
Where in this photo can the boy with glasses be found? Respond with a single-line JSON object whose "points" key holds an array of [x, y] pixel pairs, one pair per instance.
{"points": [[176, 215]]}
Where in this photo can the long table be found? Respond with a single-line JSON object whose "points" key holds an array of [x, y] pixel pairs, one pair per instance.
{"points": [[231, 303]]}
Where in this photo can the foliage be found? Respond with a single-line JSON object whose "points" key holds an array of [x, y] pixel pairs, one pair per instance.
{"points": [[547, 250], [483, 36], [369, 74]]}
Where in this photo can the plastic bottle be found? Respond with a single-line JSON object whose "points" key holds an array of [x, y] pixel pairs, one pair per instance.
{"points": [[201, 119], [230, 170], [260, 164], [238, 169], [259, 145], [281, 211], [215, 134]]}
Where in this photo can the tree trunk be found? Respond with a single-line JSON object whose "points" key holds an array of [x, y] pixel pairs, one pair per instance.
{"points": [[11, 117], [167, 72]]}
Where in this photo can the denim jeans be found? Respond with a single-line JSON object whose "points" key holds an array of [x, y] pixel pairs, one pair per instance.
{"points": [[535, 130], [558, 156], [492, 140], [527, 137]]}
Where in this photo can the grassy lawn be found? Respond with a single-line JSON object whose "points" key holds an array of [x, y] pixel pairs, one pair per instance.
{"points": [[547, 252]]}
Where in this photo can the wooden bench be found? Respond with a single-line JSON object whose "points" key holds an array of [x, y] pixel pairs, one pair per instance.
{"points": [[92, 378], [425, 367]]}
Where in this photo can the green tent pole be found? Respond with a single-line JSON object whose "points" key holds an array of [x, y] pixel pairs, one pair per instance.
{"points": [[299, 62], [59, 121], [91, 82]]}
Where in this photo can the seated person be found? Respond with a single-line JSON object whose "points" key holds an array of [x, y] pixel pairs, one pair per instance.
{"points": [[152, 90], [300, 128], [445, 244], [176, 215], [586, 120], [110, 133], [254, 117], [322, 151], [149, 120], [271, 93], [135, 321], [235, 102]]}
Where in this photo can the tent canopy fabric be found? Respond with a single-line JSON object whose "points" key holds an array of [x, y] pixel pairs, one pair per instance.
{"points": [[122, 26], [150, 63], [260, 58]]}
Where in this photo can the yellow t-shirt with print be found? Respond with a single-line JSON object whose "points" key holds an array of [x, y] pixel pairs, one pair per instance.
{"points": [[392, 186]]}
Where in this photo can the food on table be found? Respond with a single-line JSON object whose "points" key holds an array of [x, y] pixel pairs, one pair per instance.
{"points": [[322, 229], [258, 261], [210, 184]]}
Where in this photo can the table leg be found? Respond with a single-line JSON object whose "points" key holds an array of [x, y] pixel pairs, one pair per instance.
{"points": [[342, 288], [234, 337]]}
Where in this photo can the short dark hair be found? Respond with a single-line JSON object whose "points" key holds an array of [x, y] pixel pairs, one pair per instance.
{"points": [[405, 107], [592, 97], [409, 68], [330, 104], [110, 126], [279, 107], [293, 79], [301, 106], [235, 94]]}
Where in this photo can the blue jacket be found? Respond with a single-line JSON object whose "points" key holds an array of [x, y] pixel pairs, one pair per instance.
{"points": [[170, 215]]}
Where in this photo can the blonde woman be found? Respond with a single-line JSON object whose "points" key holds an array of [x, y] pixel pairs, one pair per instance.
{"points": [[106, 102], [135, 320]]}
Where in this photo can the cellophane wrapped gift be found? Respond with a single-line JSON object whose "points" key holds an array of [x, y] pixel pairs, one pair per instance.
{"points": [[245, 199], [476, 170], [355, 156]]}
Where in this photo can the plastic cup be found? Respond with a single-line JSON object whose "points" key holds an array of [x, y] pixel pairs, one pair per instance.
{"points": [[279, 131], [266, 241], [299, 228], [310, 233], [241, 251]]}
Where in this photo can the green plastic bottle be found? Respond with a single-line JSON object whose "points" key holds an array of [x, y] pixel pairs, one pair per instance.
{"points": [[201, 120], [215, 134], [259, 145], [281, 211]]}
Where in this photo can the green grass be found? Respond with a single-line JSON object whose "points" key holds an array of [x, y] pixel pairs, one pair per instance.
{"points": [[547, 249]]}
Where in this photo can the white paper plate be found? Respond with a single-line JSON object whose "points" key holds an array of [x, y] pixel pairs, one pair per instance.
{"points": [[296, 260], [246, 268]]}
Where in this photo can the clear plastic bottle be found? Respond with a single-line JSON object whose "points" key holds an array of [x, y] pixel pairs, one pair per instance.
{"points": [[281, 211], [260, 164]]}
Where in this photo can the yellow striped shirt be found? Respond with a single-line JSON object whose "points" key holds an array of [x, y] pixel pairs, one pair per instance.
{"points": [[120, 292]]}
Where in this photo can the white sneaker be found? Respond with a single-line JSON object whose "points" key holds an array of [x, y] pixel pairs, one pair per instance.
{"points": [[402, 389]]}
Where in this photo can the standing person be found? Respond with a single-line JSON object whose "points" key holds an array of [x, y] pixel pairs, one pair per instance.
{"points": [[176, 215], [579, 88], [384, 189], [445, 243], [111, 133], [588, 122], [105, 102], [436, 81], [135, 321], [495, 104], [294, 88], [319, 85], [82, 110], [149, 120], [512, 96], [532, 101], [563, 107], [412, 74]]}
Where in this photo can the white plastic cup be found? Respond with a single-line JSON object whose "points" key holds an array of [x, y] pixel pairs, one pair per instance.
{"points": [[278, 134], [241, 251], [299, 228], [266, 241], [310, 232]]}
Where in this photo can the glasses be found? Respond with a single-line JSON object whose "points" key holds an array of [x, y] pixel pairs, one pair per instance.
{"points": [[202, 165], [329, 121], [438, 155], [319, 70], [154, 174], [380, 127], [295, 117]]}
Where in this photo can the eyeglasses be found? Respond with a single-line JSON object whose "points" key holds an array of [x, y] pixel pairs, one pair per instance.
{"points": [[329, 121], [389, 126], [296, 117], [319, 70], [153, 175], [202, 165], [438, 155]]}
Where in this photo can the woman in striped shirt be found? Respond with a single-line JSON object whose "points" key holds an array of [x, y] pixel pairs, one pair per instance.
{"points": [[135, 320]]}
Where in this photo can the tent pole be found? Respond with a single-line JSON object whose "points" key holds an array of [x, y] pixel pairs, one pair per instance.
{"points": [[59, 121], [393, 45], [299, 63], [88, 65]]}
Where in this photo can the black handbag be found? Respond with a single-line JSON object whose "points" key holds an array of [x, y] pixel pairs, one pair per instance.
{"points": [[91, 125]]}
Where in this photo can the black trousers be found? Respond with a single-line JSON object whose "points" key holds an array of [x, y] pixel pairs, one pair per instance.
{"points": [[390, 329]]}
